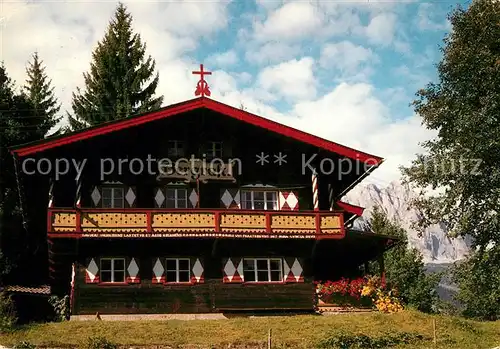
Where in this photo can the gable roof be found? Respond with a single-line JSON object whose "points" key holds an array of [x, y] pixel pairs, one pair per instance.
{"points": [[201, 102]]}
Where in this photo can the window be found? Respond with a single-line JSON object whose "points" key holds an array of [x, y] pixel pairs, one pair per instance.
{"points": [[178, 270], [262, 269], [112, 269], [175, 148], [214, 150], [176, 198], [259, 200], [112, 197]]}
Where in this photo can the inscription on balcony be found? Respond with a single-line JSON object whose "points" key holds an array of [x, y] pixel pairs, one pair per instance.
{"points": [[195, 223], [190, 170]]}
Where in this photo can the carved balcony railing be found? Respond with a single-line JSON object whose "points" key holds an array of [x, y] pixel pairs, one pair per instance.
{"points": [[63, 222]]}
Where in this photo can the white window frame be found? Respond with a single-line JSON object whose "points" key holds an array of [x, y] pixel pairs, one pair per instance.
{"points": [[113, 270], [254, 260], [176, 190], [252, 200], [177, 270], [212, 151], [176, 148], [113, 189]]}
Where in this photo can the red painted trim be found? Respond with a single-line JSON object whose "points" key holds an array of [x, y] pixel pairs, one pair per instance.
{"points": [[265, 283], [78, 218], [318, 223], [107, 284], [189, 283], [65, 235], [195, 210], [147, 230], [217, 221], [154, 280], [49, 221], [225, 109], [288, 131], [268, 223], [357, 210], [110, 127], [149, 218], [342, 225]]}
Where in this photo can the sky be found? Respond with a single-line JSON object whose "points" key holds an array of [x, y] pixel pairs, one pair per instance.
{"points": [[346, 71]]}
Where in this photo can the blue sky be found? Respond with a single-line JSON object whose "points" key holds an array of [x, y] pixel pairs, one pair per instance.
{"points": [[346, 71]]}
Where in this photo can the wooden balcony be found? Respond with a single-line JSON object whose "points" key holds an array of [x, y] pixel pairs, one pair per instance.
{"points": [[143, 223]]}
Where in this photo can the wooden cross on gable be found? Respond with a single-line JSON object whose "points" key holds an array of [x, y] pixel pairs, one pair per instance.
{"points": [[202, 86]]}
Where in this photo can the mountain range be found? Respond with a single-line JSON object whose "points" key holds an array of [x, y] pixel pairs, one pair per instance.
{"points": [[434, 244]]}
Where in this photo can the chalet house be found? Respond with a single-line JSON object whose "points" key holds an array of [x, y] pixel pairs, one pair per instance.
{"points": [[197, 207]]}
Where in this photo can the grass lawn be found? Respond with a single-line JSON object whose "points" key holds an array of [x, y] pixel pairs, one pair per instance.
{"points": [[298, 332]]}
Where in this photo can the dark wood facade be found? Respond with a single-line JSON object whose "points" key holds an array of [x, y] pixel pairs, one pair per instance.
{"points": [[126, 240]]}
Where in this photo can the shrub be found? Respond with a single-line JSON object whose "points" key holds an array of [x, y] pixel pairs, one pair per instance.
{"points": [[367, 291], [361, 341], [99, 343], [8, 316], [61, 307]]}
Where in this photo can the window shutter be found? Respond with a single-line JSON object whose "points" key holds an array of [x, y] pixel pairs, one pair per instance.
{"points": [[133, 272], [193, 198], [158, 272], [288, 201], [233, 270], [292, 270], [197, 272], [159, 197], [130, 197], [92, 272], [230, 198], [96, 196]]}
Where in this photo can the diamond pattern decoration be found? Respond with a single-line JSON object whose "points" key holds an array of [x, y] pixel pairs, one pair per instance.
{"points": [[229, 271], [295, 272], [197, 272], [158, 270], [286, 270], [193, 198], [233, 273], [130, 197], [91, 275], [159, 197], [96, 196], [133, 272], [288, 201], [230, 198]]}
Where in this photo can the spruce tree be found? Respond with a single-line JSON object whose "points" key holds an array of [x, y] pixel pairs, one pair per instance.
{"points": [[121, 80], [41, 94], [18, 124]]}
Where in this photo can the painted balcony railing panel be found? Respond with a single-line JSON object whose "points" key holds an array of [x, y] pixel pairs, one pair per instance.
{"points": [[64, 222]]}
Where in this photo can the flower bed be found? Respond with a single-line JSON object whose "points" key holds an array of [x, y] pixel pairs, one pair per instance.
{"points": [[365, 292]]}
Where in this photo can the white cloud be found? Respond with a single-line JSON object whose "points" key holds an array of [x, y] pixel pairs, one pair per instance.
{"points": [[293, 79], [351, 115], [65, 35], [223, 59], [294, 20], [381, 29], [269, 5], [346, 56], [271, 52], [430, 19]]}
